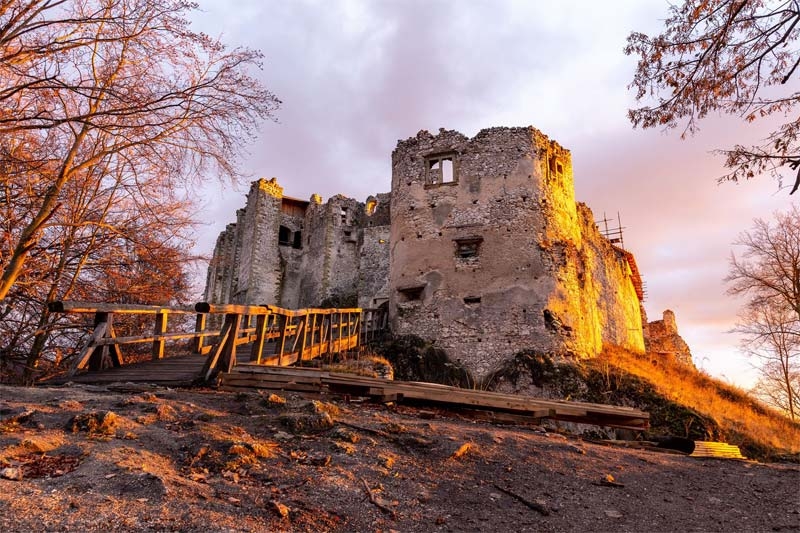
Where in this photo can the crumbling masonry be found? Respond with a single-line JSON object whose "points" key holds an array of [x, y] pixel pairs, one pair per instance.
{"points": [[480, 247]]}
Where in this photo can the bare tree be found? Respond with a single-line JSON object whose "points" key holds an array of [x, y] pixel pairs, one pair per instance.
{"points": [[768, 274], [121, 84], [772, 338], [724, 55]]}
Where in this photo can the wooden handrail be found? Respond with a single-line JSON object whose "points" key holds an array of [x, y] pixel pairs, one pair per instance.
{"points": [[313, 310], [218, 309], [100, 307]]}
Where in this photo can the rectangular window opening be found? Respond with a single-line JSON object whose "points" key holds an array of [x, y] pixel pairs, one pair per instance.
{"points": [[447, 170], [411, 294], [468, 247], [441, 169], [556, 167], [472, 300]]}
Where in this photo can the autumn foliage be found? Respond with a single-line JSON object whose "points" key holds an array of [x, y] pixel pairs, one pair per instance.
{"points": [[110, 112], [736, 57]]}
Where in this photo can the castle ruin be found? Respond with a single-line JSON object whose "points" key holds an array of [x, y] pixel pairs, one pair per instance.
{"points": [[479, 247]]}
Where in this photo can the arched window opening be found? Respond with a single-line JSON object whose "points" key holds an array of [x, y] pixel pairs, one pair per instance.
{"points": [[284, 236]]}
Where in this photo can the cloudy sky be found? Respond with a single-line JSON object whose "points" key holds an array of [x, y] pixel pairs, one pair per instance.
{"points": [[356, 76]]}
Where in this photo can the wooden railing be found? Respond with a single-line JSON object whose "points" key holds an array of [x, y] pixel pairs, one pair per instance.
{"points": [[277, 336], [281, 336]]}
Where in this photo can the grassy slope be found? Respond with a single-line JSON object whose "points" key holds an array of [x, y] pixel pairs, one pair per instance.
{"points": [[732, 414]]}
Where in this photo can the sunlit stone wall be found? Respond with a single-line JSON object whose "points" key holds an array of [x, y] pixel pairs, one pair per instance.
{"points": [[491, 254]]}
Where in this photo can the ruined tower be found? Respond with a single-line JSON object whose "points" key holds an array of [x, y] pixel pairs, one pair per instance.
{"points": [[294, 253], [490, 254]]}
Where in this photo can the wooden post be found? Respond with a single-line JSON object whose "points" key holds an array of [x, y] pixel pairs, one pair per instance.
{"points": [[199, 327], [160, 329], [261, 334], [283, 324]]}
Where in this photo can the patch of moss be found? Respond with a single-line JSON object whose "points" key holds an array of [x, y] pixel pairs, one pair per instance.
{"points": [[546, 371], [415, 359]]}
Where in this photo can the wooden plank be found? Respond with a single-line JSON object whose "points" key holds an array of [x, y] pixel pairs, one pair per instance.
{"points": [[720, 450], [311, 310], [211, 362], [138, 339], [256, 384], [89, 348], [442, 394], [443, 391]]}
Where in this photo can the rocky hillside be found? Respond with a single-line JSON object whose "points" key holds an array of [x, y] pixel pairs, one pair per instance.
{"points": [[681, 400]]}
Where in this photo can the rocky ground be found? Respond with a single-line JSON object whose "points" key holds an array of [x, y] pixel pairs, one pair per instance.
{"points": [[139, 459]]}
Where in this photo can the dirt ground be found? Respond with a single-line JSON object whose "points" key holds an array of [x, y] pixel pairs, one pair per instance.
{"points": [[128, 458]]}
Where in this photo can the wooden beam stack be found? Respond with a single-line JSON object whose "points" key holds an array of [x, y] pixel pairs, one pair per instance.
{"points": [[719, 450], [281, 379]]}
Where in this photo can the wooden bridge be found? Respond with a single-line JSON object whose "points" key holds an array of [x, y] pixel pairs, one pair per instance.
{"points": [[251, 345], [274, 336]]}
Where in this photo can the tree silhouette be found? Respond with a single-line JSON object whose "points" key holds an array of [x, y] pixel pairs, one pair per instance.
{"points": [[768, 274]]}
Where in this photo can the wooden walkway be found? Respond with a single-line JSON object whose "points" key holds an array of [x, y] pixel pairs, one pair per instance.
{"points": [[177, 371], [262, 334]]}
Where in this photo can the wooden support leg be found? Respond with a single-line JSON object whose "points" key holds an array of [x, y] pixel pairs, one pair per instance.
{"points": [[223, 356], [114, 351], [283, 323], [91, 354]]}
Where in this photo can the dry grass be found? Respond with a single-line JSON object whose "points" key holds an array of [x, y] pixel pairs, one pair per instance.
{"points": [[368, 365], [737, 413]]}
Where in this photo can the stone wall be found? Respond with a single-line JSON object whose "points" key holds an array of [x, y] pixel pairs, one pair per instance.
{"points": [[497, 257], [296, 254], [373, 269]]}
